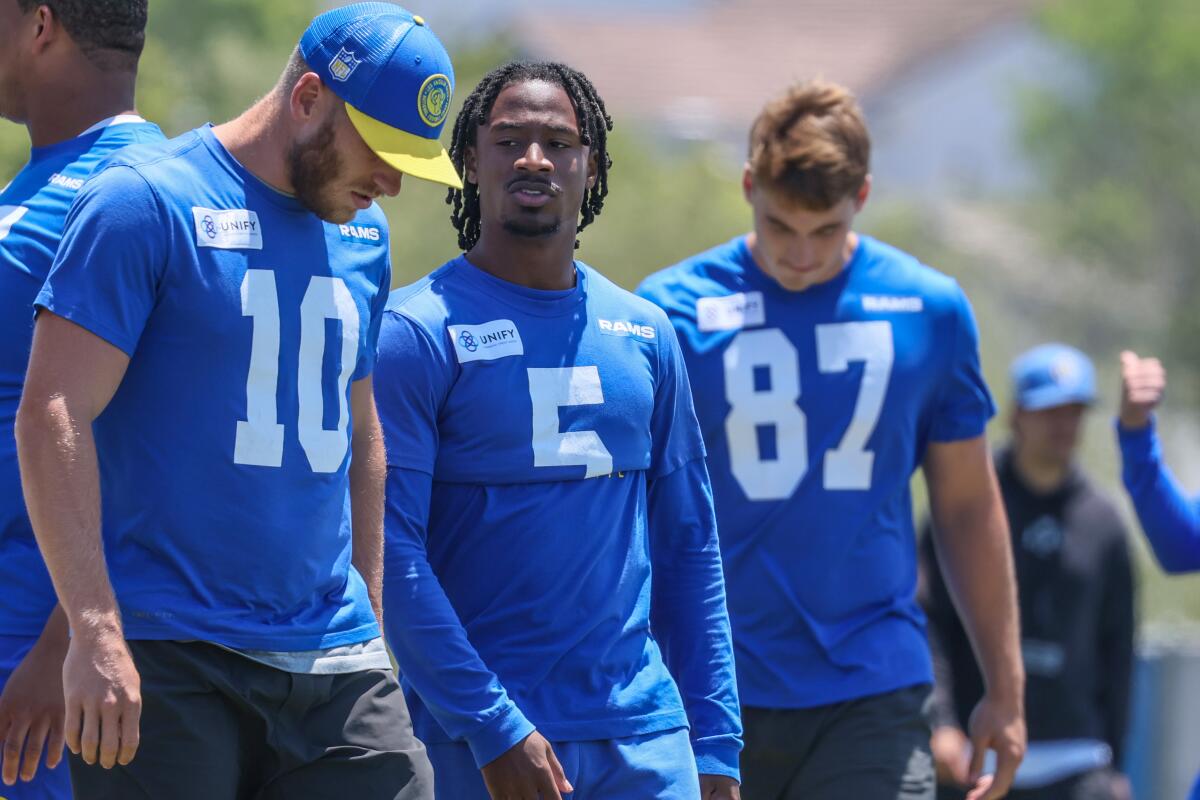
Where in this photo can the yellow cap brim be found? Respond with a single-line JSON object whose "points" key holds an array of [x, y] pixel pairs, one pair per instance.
{"points": [[412, 155]]}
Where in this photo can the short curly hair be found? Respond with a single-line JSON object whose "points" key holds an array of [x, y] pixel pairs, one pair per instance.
{"points": [[811, 145], [111, 33]]}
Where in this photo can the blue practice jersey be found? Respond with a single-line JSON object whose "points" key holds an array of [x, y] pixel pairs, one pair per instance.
{"points": [[33, 209], [817, 407], [224, 452], [544, 462]]}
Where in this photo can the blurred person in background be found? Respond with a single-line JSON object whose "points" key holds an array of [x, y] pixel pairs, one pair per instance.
{"points": [[199, 448], [1076, 594], [1169, 517], [67, 73], [553, 584], [826, 367]]}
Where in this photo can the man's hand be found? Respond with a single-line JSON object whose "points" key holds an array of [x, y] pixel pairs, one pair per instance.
{"points": [[1143, 382], [103, 697], [951, 755], [719, 787], [529, 770], [998, 726], [31, 709]]}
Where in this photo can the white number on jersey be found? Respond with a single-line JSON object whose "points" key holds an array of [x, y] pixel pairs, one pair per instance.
{"points": [[849, 465], [9, 216], [550, 389], [765, 479], [259, 439]]}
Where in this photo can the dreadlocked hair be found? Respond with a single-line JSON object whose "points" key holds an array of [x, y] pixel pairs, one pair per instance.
{"points": [[594, 125]]}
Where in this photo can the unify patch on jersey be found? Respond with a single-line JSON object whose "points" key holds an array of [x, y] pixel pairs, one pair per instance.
{"points": [[622, 327], [731, 312], [491, 340], [885, 303], [361, 234], [228, 229]]}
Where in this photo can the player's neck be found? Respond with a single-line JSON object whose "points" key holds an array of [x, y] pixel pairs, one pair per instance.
{"points": [[546, 263], [1043, 476], [256, 140], [70, 106]]}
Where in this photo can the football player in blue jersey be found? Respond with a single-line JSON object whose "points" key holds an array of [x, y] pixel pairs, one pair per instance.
{"points": [[553, 582], [67, 72], [201, 456], [828, 366]]}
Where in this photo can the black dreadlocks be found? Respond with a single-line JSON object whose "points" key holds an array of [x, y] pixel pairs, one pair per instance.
{"points": [[594, 125]]}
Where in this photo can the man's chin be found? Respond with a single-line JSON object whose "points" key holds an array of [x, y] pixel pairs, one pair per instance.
{"points": [[532, 230]]}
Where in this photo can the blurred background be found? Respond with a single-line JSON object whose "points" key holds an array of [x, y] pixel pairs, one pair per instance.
{"points": [[1043, 152]]}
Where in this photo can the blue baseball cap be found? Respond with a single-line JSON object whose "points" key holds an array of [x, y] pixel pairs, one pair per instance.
{"points": [[396, 79], [1052, 375]]}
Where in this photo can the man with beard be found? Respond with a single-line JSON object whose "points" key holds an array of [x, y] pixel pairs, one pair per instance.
{"points": [[200, 373], [553, 584], [67, 72]]}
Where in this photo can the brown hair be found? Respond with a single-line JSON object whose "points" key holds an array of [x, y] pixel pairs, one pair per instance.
{"points": [[811, 144]]}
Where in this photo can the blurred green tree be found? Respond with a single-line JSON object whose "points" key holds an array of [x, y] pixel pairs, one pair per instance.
{"points": [[1119, 154]]}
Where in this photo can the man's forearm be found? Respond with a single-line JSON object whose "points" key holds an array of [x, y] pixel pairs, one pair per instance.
{"points": [[61, 482], [368, 476], [976, 559]]}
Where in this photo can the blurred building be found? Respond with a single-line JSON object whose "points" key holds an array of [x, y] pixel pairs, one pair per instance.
{"points": [[940, 80]]}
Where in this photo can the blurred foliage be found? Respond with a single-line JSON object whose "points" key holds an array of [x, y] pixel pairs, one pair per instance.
{"points": [[1119, 154]]}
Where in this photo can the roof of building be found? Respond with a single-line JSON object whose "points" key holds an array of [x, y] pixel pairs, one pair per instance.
{"points": [[716, 64]]}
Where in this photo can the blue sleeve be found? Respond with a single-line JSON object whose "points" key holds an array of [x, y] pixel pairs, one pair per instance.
{"points": [[687, 605], [366, 363], [427, 638], [964, 403], [674, 432], [1171, 521], [423, 630], [688, 615], [111, 259]]}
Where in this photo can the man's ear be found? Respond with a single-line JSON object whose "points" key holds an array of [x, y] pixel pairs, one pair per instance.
{"points": [[305, 97], [593, 172], [747, 181], [864, 192], [46, 28], [470, 174]]}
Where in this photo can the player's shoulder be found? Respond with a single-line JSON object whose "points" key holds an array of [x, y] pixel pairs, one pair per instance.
{"points": [[425, 302], [143, 167], [614, 299], [896, 276], [699, 275]]}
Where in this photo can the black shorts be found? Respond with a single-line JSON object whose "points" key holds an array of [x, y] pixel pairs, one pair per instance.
{"points": [[218, 726], [872, 748]]}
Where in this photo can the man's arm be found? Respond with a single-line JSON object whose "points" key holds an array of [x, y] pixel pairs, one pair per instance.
{"points": [[31, 706], [690, 621], [951, 749], [974, 550], [368, 472], [1171, 521], [438, 660], [71, 378]]}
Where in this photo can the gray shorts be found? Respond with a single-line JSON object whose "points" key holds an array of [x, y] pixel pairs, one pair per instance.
{"points": [[217, 725], [872, 748]]}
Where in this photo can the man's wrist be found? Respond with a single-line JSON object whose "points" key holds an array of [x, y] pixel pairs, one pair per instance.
{"points": [[97, 624]]}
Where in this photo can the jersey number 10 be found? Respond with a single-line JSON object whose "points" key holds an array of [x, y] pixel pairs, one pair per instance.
{"points": [[849, 465], [259, 440]]}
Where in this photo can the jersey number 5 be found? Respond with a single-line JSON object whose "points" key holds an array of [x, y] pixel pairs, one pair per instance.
{"points": [[846, 467], [259, 440]]}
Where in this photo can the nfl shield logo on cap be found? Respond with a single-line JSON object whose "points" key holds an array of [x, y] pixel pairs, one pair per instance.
{"points": [[343, 64]]}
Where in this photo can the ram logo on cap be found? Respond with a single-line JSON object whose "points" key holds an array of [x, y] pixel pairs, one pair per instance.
{"points": [[433, 101]]}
